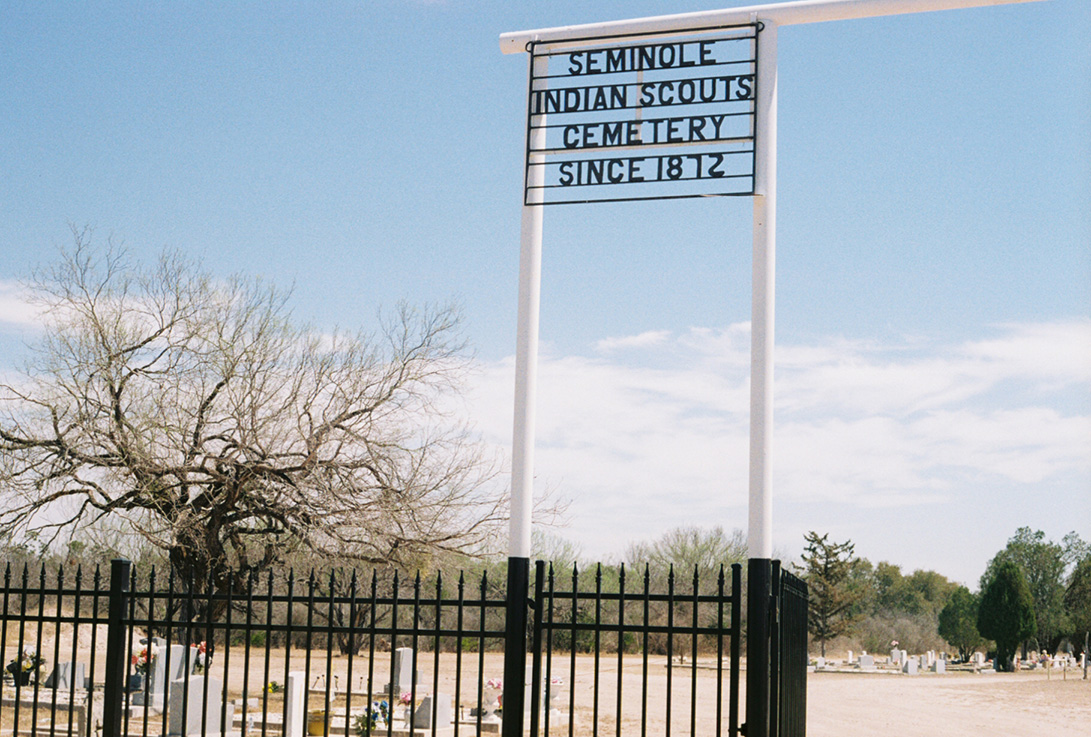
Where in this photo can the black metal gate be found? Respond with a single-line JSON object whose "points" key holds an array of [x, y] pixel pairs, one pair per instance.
{"points": [[674, 650], [788, 681]]}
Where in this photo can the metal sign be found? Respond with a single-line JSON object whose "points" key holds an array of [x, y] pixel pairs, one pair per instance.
{"points": [[642, 118]]}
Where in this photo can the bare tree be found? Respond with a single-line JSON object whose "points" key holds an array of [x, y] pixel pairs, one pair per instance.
{"points": [[196, 411]]}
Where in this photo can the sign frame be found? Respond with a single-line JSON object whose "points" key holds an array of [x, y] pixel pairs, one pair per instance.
{"points": [[657, 169]]}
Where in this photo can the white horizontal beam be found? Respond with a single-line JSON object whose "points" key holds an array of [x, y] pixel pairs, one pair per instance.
{"points": [[783, 14]]}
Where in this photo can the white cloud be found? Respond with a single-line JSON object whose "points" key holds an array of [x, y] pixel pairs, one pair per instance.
{"points": [[16, 308], [656, 436], [644, 340]]}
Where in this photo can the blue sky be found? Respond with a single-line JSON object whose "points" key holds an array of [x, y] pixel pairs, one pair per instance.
{"points": [[934, 245]]}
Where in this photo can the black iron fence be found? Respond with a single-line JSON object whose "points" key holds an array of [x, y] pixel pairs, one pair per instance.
{"points": [[609, 653]]}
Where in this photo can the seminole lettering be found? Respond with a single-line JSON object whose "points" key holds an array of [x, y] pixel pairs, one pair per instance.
{"points": [[642, 58]]}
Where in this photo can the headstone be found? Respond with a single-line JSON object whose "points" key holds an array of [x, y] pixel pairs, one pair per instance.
{"points": [[910, 667], [403, 677], [820, 663], [979, 659], [904, 657], [867, 662], [422, 717], [62, 680], [176, 658], [295, 705], [195, 719], [849, 660], [939, 666], [896, 657]]}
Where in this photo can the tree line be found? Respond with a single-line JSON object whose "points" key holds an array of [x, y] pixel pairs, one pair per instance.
{"points": [[1035, 594]]}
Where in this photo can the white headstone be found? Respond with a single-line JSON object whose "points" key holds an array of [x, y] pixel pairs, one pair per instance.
{"points": [[849, 660], [896, 656], [979, 659], [939, 666], [403, 677], [195, 719], [175, 659], [62, 680], [422, 717], [820, 663], [867, 662], [910, 666], [295, 705]]}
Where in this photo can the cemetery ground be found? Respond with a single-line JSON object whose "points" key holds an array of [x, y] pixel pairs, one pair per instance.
{"points": [[841, 704]]}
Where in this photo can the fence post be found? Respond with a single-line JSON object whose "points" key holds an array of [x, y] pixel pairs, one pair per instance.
{"points": [[537, 685], [759, 590], [515, 646], [776, 655], [113, 691]]}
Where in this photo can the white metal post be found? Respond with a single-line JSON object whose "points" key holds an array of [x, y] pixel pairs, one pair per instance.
{"points": [[526, 347], [763, 291], [762, 313]]}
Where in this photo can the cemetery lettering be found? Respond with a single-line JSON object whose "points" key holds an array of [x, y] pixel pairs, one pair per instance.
{"points": [[644, 132]]}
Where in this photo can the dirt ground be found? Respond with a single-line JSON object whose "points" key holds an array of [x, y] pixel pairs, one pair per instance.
{"points": [[954, 705], [838, 704]]}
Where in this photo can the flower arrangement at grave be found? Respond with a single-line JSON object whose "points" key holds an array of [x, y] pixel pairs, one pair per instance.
{"points": [[553, 691], [494, 697], [376, 719], [27, 663], [273, 687], [201, 658], [143, 660]]}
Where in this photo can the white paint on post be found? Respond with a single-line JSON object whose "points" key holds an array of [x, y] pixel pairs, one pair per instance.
{"points": [[526, 347], [763, 292]]}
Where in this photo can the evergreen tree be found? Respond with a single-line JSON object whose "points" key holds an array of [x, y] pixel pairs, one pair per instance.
{"points": [[1042, 564], [958, 622], [1077, 600], [1006, 612], [834, 598]]}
